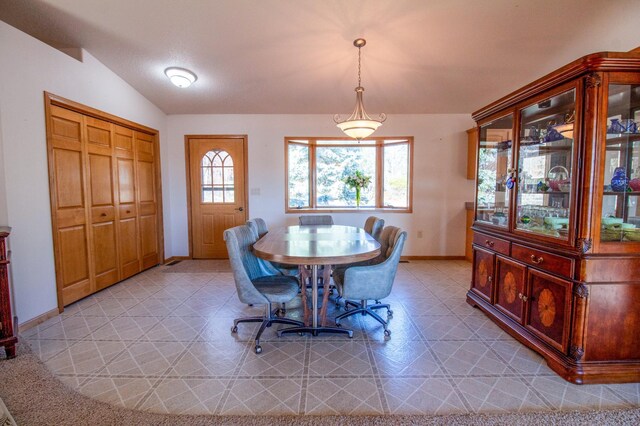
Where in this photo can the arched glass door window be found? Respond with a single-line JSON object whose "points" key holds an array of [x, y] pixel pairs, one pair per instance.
{"points": [[217, 177]]}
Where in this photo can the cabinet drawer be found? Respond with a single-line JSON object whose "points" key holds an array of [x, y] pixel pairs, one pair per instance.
{"points": [[492, 243], [550, 262]]}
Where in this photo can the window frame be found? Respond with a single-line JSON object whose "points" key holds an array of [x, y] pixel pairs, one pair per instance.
{"points": [[378, 142]]}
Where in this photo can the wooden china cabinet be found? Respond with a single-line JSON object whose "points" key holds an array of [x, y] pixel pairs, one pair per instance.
{"points": [[556, 244]]}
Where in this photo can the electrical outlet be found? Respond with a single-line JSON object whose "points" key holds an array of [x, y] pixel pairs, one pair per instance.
{"points": [[419, 234]]}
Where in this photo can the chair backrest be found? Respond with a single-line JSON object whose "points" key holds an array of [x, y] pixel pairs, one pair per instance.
{"points": [[373, 226], [259, 226], [245, 265], [319, 219], [375, 281]]}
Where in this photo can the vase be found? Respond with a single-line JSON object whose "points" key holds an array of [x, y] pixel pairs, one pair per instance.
{"points": [[357, 197], [619, 181]]}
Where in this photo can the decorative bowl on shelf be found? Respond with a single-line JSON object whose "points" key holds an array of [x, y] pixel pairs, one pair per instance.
{"points": [[564, 187], [557, 176]]}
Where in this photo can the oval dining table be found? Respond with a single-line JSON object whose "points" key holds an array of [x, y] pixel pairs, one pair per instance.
{"points": [[314, 245]]}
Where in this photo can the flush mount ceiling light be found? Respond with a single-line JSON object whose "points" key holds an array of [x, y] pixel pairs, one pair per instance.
{"points": [[359, 125], [180, 77]]}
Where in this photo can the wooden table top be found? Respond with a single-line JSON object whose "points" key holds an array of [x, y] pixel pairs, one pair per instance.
{"points": [[317, 245]]}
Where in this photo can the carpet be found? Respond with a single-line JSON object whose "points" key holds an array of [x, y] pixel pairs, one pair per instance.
{"points": [[35, 396], [199, 266]]}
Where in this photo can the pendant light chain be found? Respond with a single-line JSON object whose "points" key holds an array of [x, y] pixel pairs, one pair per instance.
{"points": [[359, 84]]}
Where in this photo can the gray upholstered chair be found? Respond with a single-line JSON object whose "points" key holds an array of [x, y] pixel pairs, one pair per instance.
{"points": [[259, 227], [318, 219], [372, 282], [257, 282], [373, 226]]}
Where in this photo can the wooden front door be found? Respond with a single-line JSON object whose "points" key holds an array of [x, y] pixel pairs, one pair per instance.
{"points": [[217, 191]]}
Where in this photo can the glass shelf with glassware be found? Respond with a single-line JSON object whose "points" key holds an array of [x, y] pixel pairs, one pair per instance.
{"points": [[545, 155], [620, 217]]}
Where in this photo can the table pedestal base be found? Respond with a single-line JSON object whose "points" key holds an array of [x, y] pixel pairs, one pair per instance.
{"points": [[314, 328]]}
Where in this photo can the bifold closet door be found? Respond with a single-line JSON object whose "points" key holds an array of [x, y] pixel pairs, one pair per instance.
{"points": [[126, 189], [105, 203], [147, 198], [69, 204], [102, 214]]}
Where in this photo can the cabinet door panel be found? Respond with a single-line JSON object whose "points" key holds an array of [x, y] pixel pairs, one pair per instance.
{"points": [[483, 278], [549, 308], [510, 284]]}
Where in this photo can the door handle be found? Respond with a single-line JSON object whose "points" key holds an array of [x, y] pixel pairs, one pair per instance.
{"points": [[240, 209]]}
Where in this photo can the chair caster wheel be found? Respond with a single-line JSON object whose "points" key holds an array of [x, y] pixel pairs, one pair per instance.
{"points": [[338, 325], [234, 329], [258, 349], [390, 314], [300, 333], [350, 335], [387, 333]]}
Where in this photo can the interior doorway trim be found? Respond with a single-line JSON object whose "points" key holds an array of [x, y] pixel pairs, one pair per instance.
{"points": [[241, 138]]}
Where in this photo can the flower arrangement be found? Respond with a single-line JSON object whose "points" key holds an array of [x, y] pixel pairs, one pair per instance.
{"points": [[358, 181]]}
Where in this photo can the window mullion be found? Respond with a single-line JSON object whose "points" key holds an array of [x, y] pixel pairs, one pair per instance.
{"points": [[379, 175], [312, 175]]}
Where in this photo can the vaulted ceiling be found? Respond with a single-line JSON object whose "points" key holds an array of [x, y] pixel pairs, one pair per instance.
{"points": [[297, 56]]}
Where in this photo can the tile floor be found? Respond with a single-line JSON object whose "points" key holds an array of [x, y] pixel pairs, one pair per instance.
{"points": [[161, 342]]}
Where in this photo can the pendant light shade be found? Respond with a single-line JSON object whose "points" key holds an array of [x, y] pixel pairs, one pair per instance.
{"points": [[359, 125]]}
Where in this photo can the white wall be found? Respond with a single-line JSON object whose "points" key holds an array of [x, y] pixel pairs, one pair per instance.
{"points": [[440, 184], [439, 177], [30, 67]]}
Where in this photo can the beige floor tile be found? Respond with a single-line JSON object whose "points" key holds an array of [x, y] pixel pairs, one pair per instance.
{"points": [[186, 396], [326, 396], [432, 395], [264, 396], [500, 394]]}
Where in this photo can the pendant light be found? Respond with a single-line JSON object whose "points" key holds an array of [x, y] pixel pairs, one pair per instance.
{"points": [[359, 125]]}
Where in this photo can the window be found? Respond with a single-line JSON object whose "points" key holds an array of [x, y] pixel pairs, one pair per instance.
{"points": [[217, 177], [316, 169]]}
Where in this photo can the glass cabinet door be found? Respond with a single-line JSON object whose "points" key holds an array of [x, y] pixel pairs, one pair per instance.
{"points": [[545, 158], [620, 220], [494, 162]]}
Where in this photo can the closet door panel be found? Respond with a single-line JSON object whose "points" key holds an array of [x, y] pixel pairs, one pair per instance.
{"points": [[128, 247], [128, 223], [147, 198], [100, 169], [104, 245], [149, 241], [73, 263], [68, 205]]}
